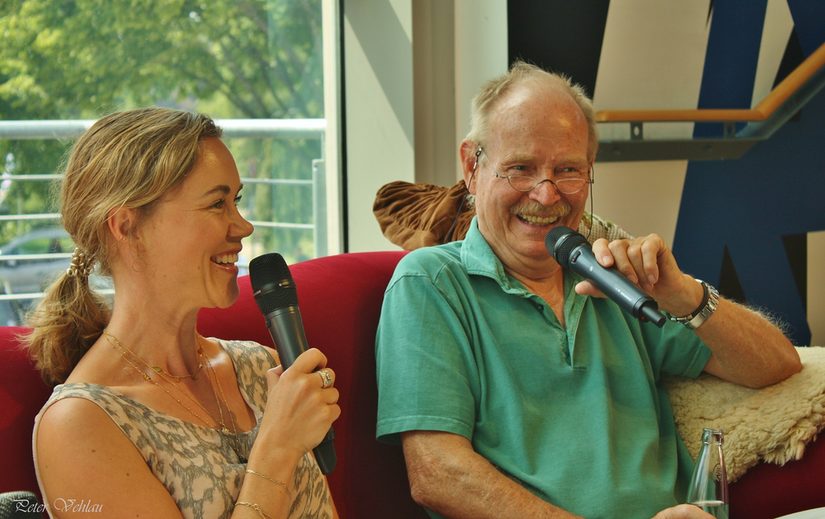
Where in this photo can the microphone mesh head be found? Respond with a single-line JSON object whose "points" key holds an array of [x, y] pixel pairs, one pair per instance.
{"points": [[19, 504], [561, 241], [272, 283]]}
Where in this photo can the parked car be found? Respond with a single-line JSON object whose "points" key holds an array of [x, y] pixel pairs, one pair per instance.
{"points": [[29, 264], [29, 275], [12, 312]]}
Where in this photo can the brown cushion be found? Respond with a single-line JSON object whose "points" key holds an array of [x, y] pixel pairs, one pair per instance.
{"points": [[419, 215]]}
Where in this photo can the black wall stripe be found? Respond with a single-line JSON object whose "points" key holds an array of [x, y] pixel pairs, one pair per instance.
{"points": [[558, 35]]}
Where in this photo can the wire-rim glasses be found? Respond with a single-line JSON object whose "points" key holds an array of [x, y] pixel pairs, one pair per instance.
{"points": [[566, 186], [527, 183]]}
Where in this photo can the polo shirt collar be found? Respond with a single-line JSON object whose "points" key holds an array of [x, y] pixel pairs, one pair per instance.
{"points": [[479, 259]]}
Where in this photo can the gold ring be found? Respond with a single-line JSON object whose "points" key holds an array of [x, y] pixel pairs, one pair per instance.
{"points": [[326, 378]]}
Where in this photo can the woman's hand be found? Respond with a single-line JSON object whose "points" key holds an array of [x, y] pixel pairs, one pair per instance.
{"points": [[299, 410]]}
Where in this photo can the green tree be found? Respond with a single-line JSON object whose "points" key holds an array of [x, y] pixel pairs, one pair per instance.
{"points": [[69, 59]]}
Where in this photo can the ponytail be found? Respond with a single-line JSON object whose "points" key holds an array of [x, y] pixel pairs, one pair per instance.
{"points": [[66, 322]]}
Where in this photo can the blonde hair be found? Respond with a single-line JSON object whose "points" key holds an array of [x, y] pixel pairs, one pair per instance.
{"points": [[520, 72], [127, 159]]}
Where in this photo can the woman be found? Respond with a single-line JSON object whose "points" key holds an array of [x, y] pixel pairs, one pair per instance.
{"points": [[151, 419]]}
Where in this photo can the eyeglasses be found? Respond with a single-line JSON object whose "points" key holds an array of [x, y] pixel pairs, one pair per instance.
{"points": [[571, 182], [567, 185]]}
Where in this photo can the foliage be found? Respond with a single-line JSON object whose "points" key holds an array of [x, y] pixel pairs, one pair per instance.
{"points": [[80, 59]]}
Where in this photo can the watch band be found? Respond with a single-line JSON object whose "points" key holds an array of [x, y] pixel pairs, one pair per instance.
{"points": [[710, 300]]}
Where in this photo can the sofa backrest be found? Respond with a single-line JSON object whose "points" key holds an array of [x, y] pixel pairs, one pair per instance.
{"points": [[340, 300]]}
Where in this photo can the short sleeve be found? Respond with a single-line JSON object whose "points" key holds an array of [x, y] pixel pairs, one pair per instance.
{"points": [[675, 350], [425, 368]]}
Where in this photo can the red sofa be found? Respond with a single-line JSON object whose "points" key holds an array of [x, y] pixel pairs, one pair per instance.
{"points": [[340, 298]]}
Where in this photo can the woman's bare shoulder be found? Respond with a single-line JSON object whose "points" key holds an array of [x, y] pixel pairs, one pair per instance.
{"points": [[83, 457]]}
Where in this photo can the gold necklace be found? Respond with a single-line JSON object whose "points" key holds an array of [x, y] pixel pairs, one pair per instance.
{"points": [[223, 397], [178, 378], [233, 437], [115, 342], [215, 423], [221, 421]]}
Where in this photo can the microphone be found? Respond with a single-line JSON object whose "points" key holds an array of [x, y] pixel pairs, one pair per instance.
{"points": [[572, 251], [19, 504], [275, 293]]}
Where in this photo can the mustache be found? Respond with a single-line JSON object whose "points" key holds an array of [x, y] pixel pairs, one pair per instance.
{"points": [[532, 208]]}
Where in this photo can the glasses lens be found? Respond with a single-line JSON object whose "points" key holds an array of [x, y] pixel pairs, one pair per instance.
{"points": [[568, 186], [522, 182]]}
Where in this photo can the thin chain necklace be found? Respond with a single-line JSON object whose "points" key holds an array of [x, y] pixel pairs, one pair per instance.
{"points": [[232, 435], [233, 438], [223, 397], [114, 341], [220, 422], [178, 378]]}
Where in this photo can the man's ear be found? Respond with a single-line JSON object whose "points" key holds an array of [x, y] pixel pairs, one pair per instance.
{"points": [[469, 152], [122, 222]]}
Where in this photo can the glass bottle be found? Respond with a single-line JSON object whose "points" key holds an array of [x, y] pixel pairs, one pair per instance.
{"points": [[709, 484]]}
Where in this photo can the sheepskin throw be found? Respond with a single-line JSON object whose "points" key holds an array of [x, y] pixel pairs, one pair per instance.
{"points": [[771, 424]]}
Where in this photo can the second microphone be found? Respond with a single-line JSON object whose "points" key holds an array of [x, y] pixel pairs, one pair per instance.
{"points": [[277, 297]]}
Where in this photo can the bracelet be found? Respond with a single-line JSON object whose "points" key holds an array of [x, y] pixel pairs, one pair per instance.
{"points": [[254, 506], [279, 484], [710, 300]]}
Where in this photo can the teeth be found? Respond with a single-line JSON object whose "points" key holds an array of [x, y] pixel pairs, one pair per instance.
{"points": [[538, 220], [225, 258]]}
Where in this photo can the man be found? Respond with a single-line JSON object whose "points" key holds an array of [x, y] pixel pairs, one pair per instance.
{"points": [[515, 389]]}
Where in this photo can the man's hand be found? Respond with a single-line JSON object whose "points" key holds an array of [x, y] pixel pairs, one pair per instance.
{"points": [[683, 512], [746, 347], [649, 263]]}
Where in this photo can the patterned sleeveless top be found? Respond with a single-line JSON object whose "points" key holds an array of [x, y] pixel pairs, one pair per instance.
{"points": [[202, 468]]}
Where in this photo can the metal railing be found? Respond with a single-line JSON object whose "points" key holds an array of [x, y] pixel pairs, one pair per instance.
{"points": [[232, 129], [785, 100], [249, 128]]}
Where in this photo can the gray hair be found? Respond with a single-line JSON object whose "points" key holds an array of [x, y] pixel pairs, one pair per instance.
{"points": [[520, 72]]}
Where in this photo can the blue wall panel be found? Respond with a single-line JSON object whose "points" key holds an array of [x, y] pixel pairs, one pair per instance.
{"points": [[732, 55], [749, 205]]}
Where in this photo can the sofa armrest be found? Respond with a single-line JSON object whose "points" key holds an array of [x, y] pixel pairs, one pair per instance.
{"points": [[768, 490], [22, 394], [767, 432]]}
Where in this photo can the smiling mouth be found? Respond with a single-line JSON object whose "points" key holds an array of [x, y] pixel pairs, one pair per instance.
{"points": [[225, 260], [539, 215], [537, 220]]}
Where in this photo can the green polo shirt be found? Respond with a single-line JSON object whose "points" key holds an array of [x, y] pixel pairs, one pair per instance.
{"points": [[576, 414]]}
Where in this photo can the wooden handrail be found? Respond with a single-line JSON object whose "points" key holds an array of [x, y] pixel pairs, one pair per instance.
{"points": [[761, 112]]}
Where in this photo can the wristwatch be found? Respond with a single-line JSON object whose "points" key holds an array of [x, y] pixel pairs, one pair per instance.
{"points": [[710, 301]]}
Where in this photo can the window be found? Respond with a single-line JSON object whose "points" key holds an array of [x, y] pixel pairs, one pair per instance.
{"points": [[256, 66]]}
